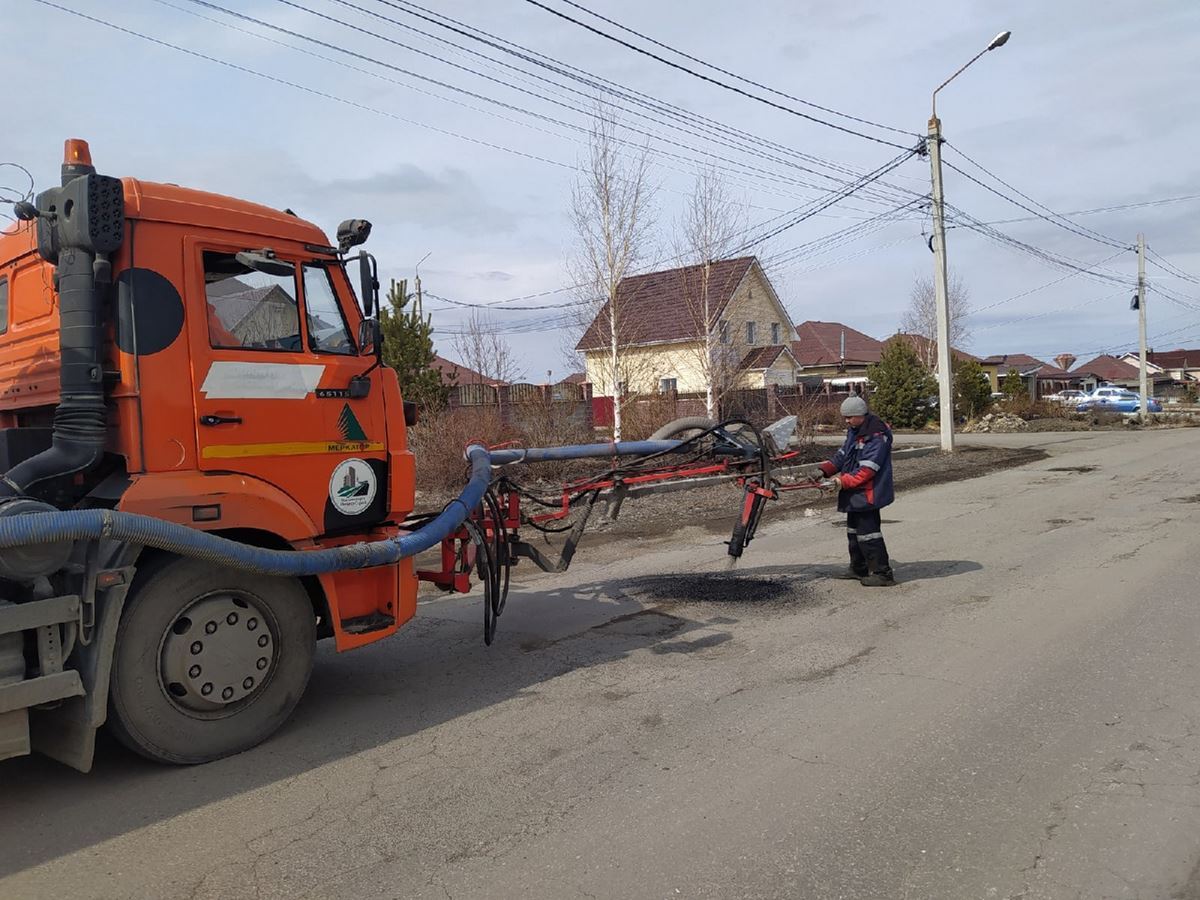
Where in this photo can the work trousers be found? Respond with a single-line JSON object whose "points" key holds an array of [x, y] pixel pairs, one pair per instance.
{"points": [[868, 552]]}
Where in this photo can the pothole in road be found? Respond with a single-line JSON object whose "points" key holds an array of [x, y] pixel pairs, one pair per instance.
{"points": [[1079, 469], [1194, 498], [759, 590]]}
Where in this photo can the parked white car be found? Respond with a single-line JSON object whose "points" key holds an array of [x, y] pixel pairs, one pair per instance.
{"points": [[1071, 397]]}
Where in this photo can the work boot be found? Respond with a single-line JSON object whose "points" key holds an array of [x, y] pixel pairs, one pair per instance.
{"points": [[850, 574], [879, 579]]}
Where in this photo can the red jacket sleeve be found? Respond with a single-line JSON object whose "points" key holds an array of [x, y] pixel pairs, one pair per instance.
{"points": [[857, 479]]}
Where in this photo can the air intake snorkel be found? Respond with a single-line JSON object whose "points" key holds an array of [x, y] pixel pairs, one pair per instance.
{"points": [[78, 226]]}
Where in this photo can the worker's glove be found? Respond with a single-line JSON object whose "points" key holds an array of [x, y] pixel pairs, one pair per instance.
{"points": [[831, 485]]}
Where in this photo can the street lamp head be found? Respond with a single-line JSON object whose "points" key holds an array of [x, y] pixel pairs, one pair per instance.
{"points": [[999, 40]]}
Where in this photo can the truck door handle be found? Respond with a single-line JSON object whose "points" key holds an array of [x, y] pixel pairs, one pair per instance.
{"points": [[220, 420]]}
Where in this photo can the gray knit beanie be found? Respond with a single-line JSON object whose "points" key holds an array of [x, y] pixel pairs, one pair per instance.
{"points": [[854, 406]]}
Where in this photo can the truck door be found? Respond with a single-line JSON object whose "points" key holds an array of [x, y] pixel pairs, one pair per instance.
{"points": [[273, 361]]}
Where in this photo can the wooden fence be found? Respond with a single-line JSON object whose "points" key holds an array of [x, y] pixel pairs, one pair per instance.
{"points": [[565, 402]]}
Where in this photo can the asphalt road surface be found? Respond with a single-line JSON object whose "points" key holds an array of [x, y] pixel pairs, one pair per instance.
{"points": [[1020, 718]]}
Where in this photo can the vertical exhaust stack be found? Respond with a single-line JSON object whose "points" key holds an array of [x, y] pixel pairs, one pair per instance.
{"points": [[78, 225]]}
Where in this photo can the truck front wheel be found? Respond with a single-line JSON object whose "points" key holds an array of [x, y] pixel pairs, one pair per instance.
{"points": [[208, 661]]}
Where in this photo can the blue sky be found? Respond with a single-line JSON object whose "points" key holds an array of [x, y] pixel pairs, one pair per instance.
{"points": [[1089, 105]]}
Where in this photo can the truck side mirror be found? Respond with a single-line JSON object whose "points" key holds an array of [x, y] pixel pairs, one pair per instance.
{"points": [[370, 337], [368, 283]]}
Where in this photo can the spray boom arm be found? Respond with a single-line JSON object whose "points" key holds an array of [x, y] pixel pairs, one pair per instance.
{"points": [[490, 543]]}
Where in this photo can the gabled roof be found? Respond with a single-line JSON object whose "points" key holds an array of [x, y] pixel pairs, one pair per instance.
{"points": [[1175, 359], [1052, 371], [237, 301], [1023, 363], [820, 344], [574, 378], [764, 357], [927, 349], [1107, 368], [657, 308], [451, 370]]}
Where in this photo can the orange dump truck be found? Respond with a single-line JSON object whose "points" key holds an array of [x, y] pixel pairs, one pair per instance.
{"points": [[205, 467]]}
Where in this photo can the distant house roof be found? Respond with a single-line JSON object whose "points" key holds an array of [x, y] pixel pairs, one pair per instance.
{"points": [[1175, 359], [657, 305], [1023, 363], [820, 344], [927, 349], [234, 306], [764, 357], [1107, 368], [574, 378], [460, 374]]}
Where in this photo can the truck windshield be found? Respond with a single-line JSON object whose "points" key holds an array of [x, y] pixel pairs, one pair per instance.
{"points": [[327, 332]]}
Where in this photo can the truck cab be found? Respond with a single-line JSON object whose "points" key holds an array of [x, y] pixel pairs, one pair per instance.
{"points": [[242, 394]]}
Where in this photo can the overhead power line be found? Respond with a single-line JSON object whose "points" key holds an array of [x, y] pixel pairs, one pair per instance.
{"points": [[267, 76], [1055, 260], [1066, 225], [729, 87], [838, 195], [1170, 268], [582, 129], [1042, 287], [569, 71], [741, 78], [1102, 209], [1058, 218]]}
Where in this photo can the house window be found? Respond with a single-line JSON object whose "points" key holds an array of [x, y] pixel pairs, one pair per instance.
{"points": [[668, 385], [723, 329], [774, 334], [750, 335]]}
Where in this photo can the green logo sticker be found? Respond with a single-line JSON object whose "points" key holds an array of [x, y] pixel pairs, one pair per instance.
{"points": [[349, 427]]}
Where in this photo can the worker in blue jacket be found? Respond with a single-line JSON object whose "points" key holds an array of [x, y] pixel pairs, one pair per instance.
{"points": [[862, 473]]}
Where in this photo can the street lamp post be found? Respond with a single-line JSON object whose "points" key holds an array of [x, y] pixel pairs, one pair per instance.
{"points": [[940, 285]]}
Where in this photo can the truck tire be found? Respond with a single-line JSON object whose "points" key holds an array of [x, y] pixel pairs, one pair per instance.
{"points": [[209, 661]]}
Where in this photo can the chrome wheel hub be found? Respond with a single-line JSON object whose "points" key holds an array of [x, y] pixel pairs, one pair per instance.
{"points": [[217, 652]]}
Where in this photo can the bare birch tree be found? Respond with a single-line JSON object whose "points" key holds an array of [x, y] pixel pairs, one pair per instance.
{"points": [[611, 210], [921, 316], [708, 231], [480, 347]]}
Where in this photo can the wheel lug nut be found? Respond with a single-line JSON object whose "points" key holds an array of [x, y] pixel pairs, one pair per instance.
{"points": [[206, 688], [210, 628], [231, 618], [263, 640], [196, 648], [227, 693], [194, 672], [251, 623], [248, 683], [262, 663]]}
